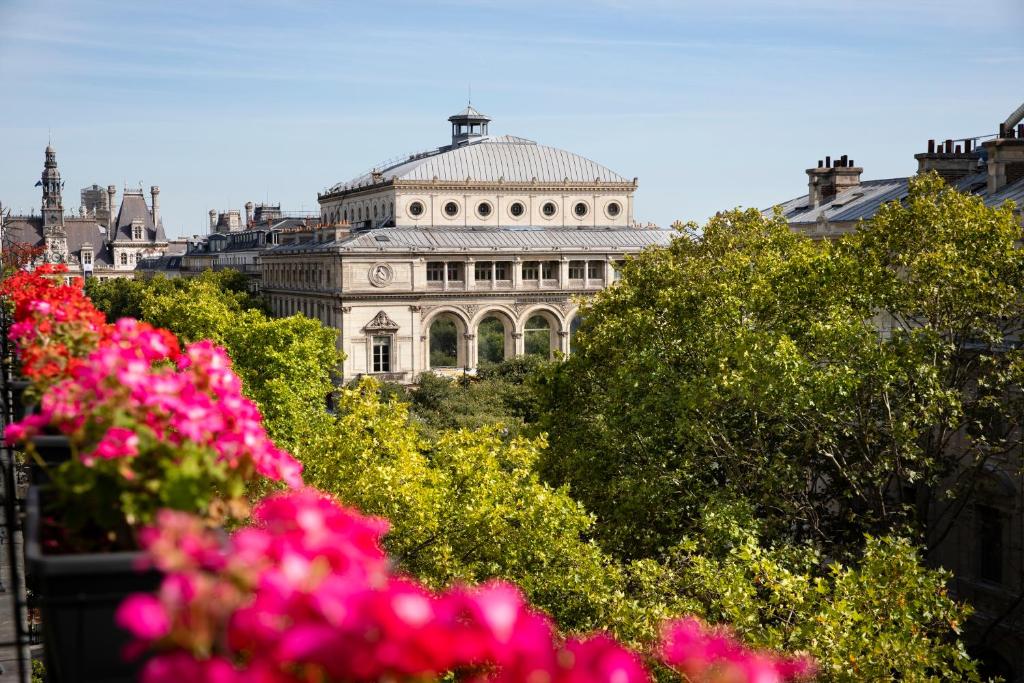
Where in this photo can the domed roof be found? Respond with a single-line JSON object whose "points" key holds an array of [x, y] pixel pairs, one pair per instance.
{"points": [[506, 158]]}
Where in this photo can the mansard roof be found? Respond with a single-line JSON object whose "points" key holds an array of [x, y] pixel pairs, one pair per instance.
{"points": [[133, 207], [505, 158], [489, 240]]}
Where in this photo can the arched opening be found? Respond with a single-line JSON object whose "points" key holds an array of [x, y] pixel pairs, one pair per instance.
{"points": [[537, 337], [444, 343], [490, 340], [574, 326]]}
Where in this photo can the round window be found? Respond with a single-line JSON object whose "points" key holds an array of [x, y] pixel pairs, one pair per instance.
{"points": [[613, 209], [416, 209], [549, 209], [451, 209], [517, 209], [580, 209], [484, 209]]}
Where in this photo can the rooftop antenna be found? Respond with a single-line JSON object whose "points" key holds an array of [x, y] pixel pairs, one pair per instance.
{"points": [[469, 97]]}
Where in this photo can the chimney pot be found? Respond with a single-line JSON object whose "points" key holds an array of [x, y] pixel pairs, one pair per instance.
{"points": [[949, 146], [968, 143], [843, 161], [1002, 130], [828, 162], [1020, 130], [957, 149], [931, 146], [852, 164], [821, 163]]}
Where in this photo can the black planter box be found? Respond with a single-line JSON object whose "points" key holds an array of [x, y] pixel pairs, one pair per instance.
{"points": [[53, 450], [78, 596]]}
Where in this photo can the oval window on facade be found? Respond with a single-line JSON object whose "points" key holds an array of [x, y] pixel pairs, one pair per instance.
{"points": [[483, 209], [580, 209], [451, 209], [517, 209], [416, 209], [549, 209], [613, 209]]}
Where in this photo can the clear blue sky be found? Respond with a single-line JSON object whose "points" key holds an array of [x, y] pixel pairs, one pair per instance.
{"points": [[711, 103]]}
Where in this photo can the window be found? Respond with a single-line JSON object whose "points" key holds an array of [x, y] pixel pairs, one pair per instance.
{"points": [[549, 209], [451, 209], [416, 209], [531, 270], [990, 544], [502, 270], [617, 270], [454, 272], [537, 337], [87, 257], [382, 354], [360, 213], [613, 209], [124, 259], [580, 209], [517, 209], [549, 270], [137, 232], [576, 270], [483, 270], [435, 271], [595, 270], [483, 209]]}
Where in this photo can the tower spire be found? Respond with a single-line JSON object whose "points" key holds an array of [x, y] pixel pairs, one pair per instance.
{"points": [[53, 204]]}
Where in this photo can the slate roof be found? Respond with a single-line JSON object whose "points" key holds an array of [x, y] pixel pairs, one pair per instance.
{"points": [[489, 240], [863, 202], [29, 230], [507, 157], [133, 207]]}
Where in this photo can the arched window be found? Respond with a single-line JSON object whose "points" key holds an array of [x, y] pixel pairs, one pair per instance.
{"points": [[444, 343], [124, 259], [574, 327], [537, 337], [490, 341]]}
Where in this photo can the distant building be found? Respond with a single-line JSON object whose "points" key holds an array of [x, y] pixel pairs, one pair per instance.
{"points": [[985, 550], [473, 252], [97, 242]]}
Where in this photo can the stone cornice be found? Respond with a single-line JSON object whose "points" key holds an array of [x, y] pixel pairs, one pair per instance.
{"points": [[478, 186]]}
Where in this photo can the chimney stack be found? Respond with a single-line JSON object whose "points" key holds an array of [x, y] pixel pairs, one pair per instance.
{"points": [[825, 182], [154, 192], [951, 161], [213, 220], [248, 214], [1005, 156], [111, 193]]}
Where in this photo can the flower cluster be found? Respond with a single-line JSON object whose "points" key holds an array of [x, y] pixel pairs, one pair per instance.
{"points": [[704, 654], [55, 324], [306, 593], [166, 427], [138, 383]]}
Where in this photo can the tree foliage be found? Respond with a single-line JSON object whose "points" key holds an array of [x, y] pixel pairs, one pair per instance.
{"points": [[832, 386]]}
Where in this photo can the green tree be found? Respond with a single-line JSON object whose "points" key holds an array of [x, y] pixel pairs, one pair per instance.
{"points": [[832, 386]]}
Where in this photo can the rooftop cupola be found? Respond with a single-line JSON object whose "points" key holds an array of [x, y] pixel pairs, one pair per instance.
{"points": [[468, 125]]}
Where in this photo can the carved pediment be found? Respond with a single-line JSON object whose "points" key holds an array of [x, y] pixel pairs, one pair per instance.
{"points": [[380, 322]]}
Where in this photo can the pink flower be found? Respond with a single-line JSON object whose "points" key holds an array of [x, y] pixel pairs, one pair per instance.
{"points": [[118, 443], [144, 616]]}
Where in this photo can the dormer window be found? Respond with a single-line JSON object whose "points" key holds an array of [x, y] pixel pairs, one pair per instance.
{"points": [[137, 232], [87, 258]]}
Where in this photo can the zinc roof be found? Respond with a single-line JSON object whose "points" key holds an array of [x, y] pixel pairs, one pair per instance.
{"points": [[491, 239], [505, 158]]}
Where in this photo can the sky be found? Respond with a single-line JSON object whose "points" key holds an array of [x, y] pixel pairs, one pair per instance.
{"points": [[712, 104]]}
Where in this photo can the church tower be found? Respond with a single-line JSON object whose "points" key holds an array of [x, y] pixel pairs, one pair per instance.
{"points": [[53, 205], [53, 211]]}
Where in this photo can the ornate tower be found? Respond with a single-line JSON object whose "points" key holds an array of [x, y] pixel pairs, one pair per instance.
{"points": [[53, 211], [53, 205]]}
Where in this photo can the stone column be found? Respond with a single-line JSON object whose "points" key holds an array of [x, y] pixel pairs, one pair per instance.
{"points": [[518, 344], [563, 273], [563, 341], [470, 274], [586, 274], [494, 274], [444, 275], [517, 272], [609, 271], [471, 350]]}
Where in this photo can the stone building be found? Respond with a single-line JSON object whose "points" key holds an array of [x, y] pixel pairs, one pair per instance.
{"points": [[96, 242], [985, 549], [473, 252]]}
